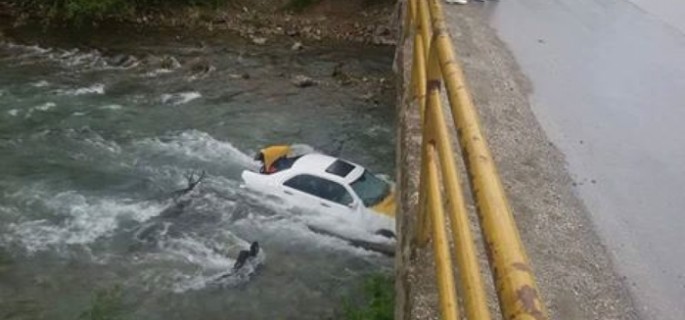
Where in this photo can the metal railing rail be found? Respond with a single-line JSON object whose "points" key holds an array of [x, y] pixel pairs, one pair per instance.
{"points": [[434, 62]]}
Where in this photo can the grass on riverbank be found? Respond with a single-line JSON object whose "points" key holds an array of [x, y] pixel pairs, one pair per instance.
{"points": [[378, 300], [107, 304]]}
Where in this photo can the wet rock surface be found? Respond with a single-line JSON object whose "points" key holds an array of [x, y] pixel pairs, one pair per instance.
{"points": [[303, 81], [355, 21]]}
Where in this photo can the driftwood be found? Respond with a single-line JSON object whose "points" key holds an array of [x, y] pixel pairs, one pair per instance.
{"points": [[153, 228], [193, 180]]}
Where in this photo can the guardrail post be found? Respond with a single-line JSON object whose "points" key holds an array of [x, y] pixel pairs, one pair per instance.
{"points": [[516, 286], [443, 261], [473, 290], [423, 219]]}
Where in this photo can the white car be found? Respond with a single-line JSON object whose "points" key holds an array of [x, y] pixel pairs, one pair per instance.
{"points": [[349, 196]]}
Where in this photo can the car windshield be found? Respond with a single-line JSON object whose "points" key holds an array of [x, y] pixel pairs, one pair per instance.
{"points": [[370, 188]]}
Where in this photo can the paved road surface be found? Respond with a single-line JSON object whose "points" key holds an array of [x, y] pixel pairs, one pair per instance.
{"points": [[609, 90]]}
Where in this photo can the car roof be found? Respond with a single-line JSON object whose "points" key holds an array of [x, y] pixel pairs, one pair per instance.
{"points": [[317, 164]]}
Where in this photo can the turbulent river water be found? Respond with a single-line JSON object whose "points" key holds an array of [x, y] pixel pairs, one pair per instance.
{"points": [[95, 135]]}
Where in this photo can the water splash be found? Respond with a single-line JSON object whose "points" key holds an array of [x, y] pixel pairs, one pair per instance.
{"points": [[97, 88], [111, 107], [43, 108], [40, 84], [71, 58], [76, 219], [180, 98], [197, 145], [195, 262]]}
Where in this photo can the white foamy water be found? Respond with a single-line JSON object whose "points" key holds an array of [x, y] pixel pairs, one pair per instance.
{"points": [[157, 72], [92, 139], [292, 224], [220, 277], [45, 106], [13, 112], [76, 219], [283, 221], [75, 57], [40, 84], [111, 107], [42, 108], [194, 262], [377, 130], [180, 98], [197, 145], [72, 58], [97, 88], [295, 231], [26, 51], [69, 58], [198, 252]]}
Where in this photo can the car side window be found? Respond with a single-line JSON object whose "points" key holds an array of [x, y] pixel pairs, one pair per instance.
{"points": [[321, 188], [303, 183]]}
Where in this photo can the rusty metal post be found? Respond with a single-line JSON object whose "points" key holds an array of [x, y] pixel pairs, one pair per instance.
{"points": [[424, 219], [475, 299], [516, 286], [443, 261], [423, 21], [419, 74]]}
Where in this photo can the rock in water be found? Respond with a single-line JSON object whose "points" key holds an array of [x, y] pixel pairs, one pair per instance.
{"points": [[169, 62], [259, 41], [296, 46], [302, 81]]}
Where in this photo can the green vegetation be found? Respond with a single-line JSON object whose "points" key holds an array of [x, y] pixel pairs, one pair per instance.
{"points": [[378, 300], [107, 304]]}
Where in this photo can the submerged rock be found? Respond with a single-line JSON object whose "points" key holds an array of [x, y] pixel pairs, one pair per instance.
{"points": [[123, 61], [296, 46], [170, 62], [303, 81], [259, 40], [340, 75]]}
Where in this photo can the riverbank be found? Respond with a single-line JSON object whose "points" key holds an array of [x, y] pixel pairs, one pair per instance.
{"points": [[359, 21]]}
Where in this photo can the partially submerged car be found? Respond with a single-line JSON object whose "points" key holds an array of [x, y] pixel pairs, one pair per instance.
{"points": [[345, 191]]}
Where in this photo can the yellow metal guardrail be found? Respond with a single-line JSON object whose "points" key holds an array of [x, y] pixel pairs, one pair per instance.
{"points": [[434, 61]]}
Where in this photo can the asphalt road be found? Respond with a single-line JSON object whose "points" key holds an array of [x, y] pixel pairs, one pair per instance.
{"points": [[608, 82]]}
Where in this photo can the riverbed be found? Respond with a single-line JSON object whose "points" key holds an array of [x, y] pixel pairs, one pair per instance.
{"points": [[97, 132]]}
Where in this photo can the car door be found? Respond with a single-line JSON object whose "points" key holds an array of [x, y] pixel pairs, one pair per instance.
{"points": [[319, 194]]}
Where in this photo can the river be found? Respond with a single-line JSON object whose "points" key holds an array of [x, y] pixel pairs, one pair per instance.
{"points": [[97, 131]]}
